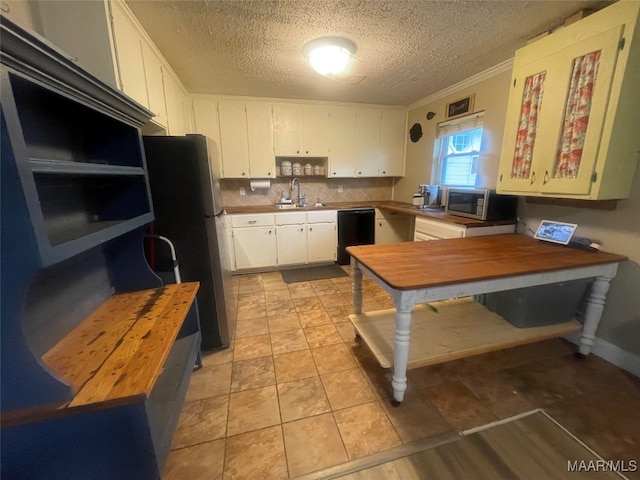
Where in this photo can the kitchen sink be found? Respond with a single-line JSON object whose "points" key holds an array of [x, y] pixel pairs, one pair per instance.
{"points": [[288, 206]]}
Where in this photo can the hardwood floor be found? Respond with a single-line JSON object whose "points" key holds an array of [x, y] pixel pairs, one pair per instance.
{"points": [[297, 394], [530, 447]]}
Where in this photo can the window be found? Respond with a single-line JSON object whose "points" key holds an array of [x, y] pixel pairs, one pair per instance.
{"points": [[460, 142]]}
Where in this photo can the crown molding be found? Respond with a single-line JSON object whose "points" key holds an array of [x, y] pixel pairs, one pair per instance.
{"points": [[477, 78]]}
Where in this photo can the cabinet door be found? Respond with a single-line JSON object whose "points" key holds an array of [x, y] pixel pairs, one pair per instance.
{"points": [[392, 231], [155, 84], [262, 162], [585, 77], [342, 146], [292, 244], [287, 124], [233, 139], [315, 131], [175, 110], [528, 110], [128, 43], [322, 242], [367, 156], [254, 247], [392, 141]]}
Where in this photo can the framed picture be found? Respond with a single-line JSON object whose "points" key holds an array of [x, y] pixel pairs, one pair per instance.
{"points": [[460, 107]]}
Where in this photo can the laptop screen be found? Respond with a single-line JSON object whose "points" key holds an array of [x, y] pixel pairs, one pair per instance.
{"points": [[556, 232]]}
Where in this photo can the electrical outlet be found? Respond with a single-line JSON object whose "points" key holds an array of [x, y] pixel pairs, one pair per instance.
{"points": [[339, 188], [242, 191]]}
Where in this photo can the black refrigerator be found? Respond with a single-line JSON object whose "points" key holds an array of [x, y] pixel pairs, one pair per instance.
{"points": [[188, 210]]}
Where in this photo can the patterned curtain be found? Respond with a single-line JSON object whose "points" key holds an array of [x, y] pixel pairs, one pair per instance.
{"points": [[526, 137], [576, 116]]}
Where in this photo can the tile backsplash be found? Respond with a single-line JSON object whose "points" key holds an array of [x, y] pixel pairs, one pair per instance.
{"points": [[325, 189]]}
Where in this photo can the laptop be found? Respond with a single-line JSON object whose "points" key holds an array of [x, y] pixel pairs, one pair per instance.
{"points": [[556, 232]]}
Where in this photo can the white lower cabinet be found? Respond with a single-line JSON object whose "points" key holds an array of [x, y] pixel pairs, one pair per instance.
{"points": [[288, 238], [254, 241], [392, 227], [321, 242], [433, 230]]}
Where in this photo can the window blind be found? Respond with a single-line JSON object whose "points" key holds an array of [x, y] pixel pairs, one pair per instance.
{"points": [[457, 125]]}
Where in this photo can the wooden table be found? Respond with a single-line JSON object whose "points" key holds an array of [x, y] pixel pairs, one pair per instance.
{"points": [[420, 272]]}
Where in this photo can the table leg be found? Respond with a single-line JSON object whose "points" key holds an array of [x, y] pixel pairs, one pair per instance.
{"points": [[404, 302], [593, 313], [356, 277]]}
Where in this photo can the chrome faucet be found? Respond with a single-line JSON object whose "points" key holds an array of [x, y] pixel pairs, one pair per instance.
{"points": [[301, 198]]}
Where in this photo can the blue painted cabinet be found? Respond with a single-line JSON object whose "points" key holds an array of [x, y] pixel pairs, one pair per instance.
{"points": [[75, 204]]}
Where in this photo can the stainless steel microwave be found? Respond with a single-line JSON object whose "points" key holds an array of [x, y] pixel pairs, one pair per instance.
{"points": [[481, 204]]}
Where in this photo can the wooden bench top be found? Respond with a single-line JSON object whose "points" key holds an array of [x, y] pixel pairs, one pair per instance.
{"points": [[119, 350]]}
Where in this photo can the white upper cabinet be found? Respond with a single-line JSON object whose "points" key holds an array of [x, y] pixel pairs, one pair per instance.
{"points": [[301, 130], [367, 140], [342, 147], [128, 46], [392, 143], [573, 110], [155, 83], [109, 42], [233, 138], [260, 140]]}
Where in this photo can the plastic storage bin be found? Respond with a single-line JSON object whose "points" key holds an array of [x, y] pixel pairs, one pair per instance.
{"points": [[538, 306]]}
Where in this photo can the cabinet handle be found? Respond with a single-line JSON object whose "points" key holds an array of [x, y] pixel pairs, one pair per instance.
{"points": [[500, 177], [546, 177], [533, 177], [251, 222]]}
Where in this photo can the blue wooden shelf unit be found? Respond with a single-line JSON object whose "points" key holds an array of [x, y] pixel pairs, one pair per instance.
{"points": [[96, 353]]}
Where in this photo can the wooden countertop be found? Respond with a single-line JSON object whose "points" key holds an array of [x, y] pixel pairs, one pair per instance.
{"points": [[389, 205], [416, 265]]}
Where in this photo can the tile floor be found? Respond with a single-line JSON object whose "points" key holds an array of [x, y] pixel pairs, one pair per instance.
{"points": [[296, 393]]}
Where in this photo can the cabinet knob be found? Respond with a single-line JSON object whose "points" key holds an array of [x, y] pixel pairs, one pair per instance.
{"points": [[359, 173], [545, 180], [269, 232], [307, 152], [334, 173], [297, 151], [243, 174], [302, 229], [310, 229], [268, 174], [384, 172]]}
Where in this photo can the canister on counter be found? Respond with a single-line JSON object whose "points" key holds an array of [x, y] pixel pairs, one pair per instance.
{"points": [[308, 169], [285, 168], [297, 169]]}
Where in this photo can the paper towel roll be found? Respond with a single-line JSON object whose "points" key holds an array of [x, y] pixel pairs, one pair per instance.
{"points": [[259, 184]]}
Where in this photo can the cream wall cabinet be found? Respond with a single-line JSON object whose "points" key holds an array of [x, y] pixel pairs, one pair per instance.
{"points": [[588, 152], [246, 138], [392, 143], [301, 130], [366, 142], [262, 162], [108, 41], [342, 146]]}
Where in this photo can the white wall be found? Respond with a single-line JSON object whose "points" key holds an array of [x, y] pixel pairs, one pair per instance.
{"points": [[618, 231]]}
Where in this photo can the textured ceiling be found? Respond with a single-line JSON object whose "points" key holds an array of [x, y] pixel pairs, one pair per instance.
{"points": [[406, 50]]}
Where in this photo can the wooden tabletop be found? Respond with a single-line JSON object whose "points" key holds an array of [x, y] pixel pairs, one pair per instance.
{"points": [[415, 265]]}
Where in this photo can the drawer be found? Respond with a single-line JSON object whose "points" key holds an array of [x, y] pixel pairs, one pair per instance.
{"points": [[438, 229], [252, 220], [325, 216], [290, 218]]}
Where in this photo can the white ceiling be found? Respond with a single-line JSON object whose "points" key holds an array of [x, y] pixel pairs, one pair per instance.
{"points": [[406, 49]]}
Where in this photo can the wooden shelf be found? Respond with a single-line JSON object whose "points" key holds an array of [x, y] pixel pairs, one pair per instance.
{"points": [[460, 328], [119, 350]]}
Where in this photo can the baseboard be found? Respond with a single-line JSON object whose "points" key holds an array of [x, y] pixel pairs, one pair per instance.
{"points": [[612, 353]]}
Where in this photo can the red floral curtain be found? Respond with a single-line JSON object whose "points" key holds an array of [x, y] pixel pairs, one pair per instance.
{"points": [[525, 139], [576, 116]]}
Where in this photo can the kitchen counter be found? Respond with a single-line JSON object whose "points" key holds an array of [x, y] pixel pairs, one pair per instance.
{"points": [[389, 205]]}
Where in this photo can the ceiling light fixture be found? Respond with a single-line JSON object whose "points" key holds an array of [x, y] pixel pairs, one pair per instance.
{"points": [[329, 55]]}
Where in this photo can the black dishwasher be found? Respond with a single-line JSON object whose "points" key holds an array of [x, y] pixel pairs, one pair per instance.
{"points": [[355, 227]]}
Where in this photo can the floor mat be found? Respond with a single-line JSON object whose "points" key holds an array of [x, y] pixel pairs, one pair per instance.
{"points": [[312, 273]]}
